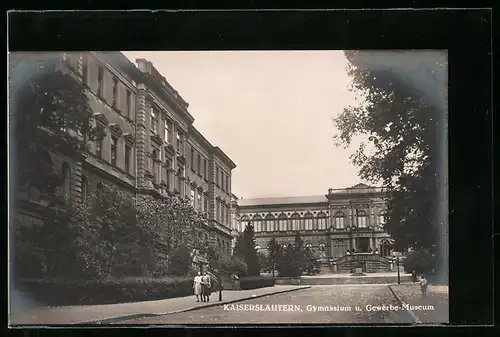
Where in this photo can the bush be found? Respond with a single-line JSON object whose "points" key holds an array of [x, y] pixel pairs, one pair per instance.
{"points": [[254, 282], [107, 291], [233, 265], [423, 261]]}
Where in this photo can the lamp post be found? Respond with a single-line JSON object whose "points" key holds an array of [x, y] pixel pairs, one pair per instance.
{"points": [[220, 288]]}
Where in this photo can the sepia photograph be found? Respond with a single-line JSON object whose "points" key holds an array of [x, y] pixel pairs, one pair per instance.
{"points": [[228, 187]]}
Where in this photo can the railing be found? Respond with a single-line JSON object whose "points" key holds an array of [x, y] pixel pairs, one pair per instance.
{"points": [[362, 257]]}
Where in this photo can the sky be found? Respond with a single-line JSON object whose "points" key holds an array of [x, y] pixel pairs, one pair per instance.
{"points": [[270, 112]]}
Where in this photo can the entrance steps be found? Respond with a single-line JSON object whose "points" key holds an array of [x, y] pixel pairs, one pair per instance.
{"points": [[348, 279]]}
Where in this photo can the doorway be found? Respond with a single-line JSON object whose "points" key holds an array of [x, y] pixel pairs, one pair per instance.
{"points": [[363, 245]]}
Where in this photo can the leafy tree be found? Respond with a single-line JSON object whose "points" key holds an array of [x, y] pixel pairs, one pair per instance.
{"points": [[275, 252], [311, 263], [233, 265], [401, 151], [245, 249], [263, 262], [180, 262], [49, 113], [421, 260]]}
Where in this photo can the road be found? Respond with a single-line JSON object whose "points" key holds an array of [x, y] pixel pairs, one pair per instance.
{"points": [[318, 304]]}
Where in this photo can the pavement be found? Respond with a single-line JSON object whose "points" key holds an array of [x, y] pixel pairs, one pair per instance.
{"points": [[437, 298], [328, 304], [349, 275], [113, 313]]}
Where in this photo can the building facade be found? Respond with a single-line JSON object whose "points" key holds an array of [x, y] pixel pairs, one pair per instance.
{"points": [[148, 145], [343, 222]]}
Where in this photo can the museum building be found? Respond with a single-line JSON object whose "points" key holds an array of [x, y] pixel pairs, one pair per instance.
{"points": [[341, 226]]}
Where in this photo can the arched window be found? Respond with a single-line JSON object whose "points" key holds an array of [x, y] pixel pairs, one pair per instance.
{"points": [[361, 219], [295, 220], [243, 222], [84, 189], [321, 221], [308, 246], [282, 222], [270, 222], [257, 247], [264, 225], [284, 246], [321, 247], [66, 187], [308, 221], [257, 223], [339, 220], [382, 218]]}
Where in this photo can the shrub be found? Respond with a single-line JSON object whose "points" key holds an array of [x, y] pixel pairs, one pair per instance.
{"points": [[107, 291], [233, 265], [254, 282], [423, 261]]}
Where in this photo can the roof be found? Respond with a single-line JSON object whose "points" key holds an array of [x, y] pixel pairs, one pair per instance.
{"points": [[314, 199]]}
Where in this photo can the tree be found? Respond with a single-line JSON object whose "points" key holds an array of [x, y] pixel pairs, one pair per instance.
{"points": [[49, 113], [401, 151], [311, 263], [180, 262], [245, 249], [275, 252], [233, 265]]}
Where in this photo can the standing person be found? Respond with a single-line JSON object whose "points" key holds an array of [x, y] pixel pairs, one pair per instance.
{"points": [[206, 287], [197, 287], [414, 275], [423, 285]]}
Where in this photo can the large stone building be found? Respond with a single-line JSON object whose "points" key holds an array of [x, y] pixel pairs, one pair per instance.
{"points": [[344, 222], [150, 144]]}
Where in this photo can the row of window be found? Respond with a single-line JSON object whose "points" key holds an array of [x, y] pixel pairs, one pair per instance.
{"points": [[168, 129], [222, 212], [222, 180], [101, 73], [198, 164], [114, 146], [308, 222], [199, 199]]}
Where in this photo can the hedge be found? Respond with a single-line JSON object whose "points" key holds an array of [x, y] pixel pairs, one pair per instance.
{"points": [[107, 291], [254, 282]]}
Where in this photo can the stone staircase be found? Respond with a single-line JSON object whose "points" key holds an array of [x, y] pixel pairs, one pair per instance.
{"points": [[371, 263]]}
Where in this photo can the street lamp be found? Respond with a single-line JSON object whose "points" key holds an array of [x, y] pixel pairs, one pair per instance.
{"points": [[397, 264]]}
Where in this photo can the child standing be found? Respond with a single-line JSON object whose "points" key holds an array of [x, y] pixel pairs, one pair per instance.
{"points": [[423, 285]]}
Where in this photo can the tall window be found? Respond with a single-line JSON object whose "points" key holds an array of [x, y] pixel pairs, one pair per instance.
{"points": [[222, 213], [282, 222], [115, 92], [228, 215], [198, 164], [205, 203], [361, 219], [382, 218], [66, 187], [270, 222], [192, 158], [192, 197], [128, 151], [154, 120], [114, 149], [222, 181], [296, 223], [167, 126], [100, 78], [257, 223], [308, 220], [98, 146], [129, 104], [227, 184], [217, 176], [217, 210], [168, 167], [339, 220], [321, 221], [205, 169], [84, 189], [154, 157], [180, 144], [199, 205], [178, 184]]}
